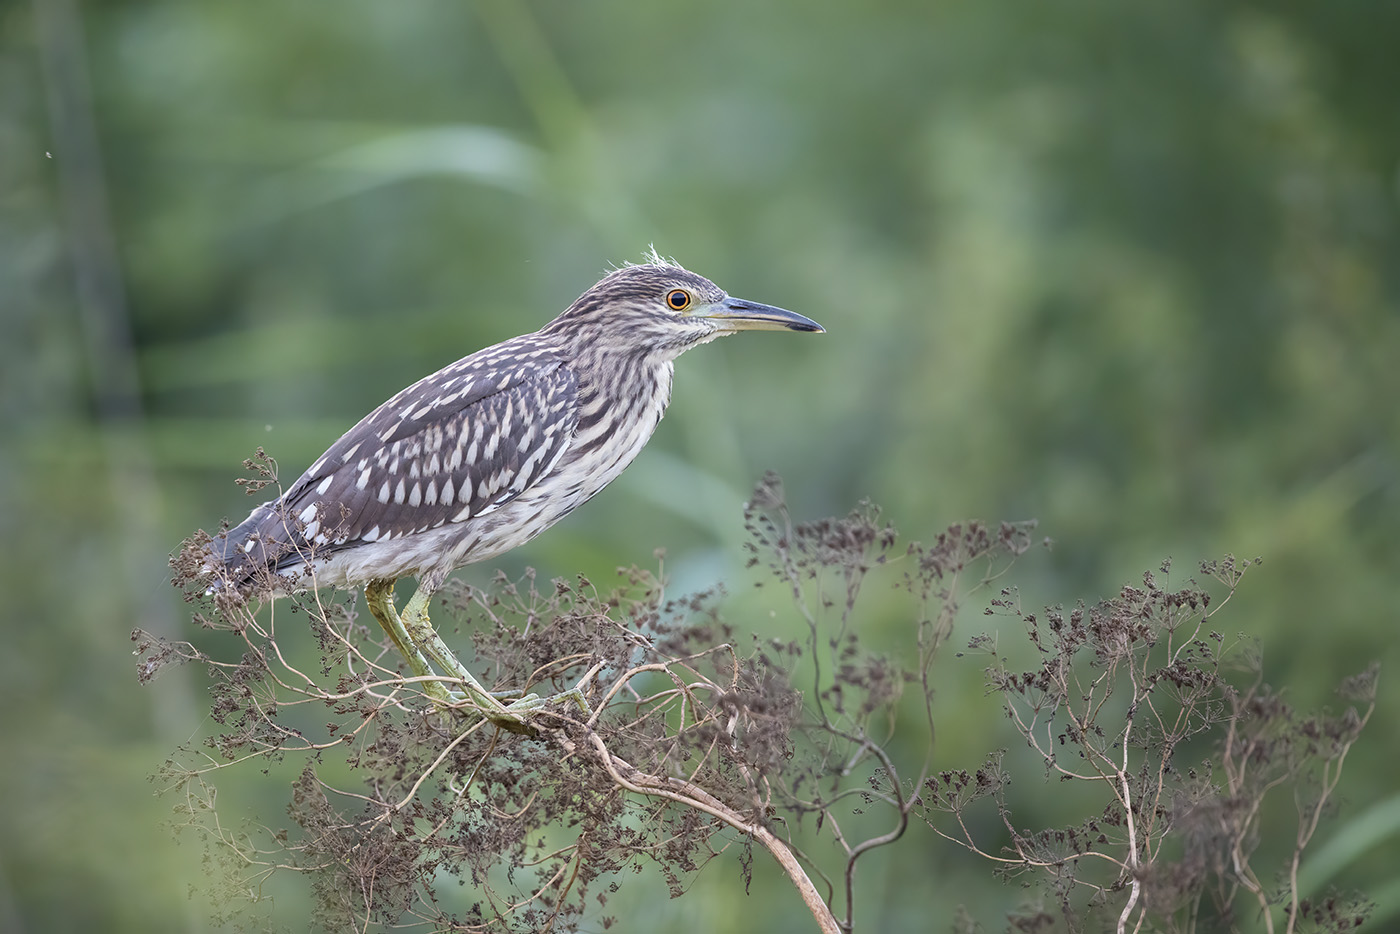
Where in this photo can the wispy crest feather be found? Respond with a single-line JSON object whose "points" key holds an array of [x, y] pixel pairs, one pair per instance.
{"points": [[652, 258]]}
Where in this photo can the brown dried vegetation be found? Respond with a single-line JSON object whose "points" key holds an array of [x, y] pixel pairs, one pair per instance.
{"points": [[701, 738]]}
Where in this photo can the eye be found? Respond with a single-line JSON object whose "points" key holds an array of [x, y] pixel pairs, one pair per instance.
{"points": [[678, 299]]}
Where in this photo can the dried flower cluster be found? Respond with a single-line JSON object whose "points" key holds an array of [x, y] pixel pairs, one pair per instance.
{"points": [[700, 737], [1143, 697]]}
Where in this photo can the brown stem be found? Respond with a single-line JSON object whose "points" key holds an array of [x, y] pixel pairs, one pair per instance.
{"points": [[683, 792]]}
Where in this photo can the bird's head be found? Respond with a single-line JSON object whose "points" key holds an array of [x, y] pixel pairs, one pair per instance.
{"points": [[662, 309]]}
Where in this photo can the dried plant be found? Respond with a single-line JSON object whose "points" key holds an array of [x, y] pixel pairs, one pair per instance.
{"points": [[700, 738], [1142, 697]]}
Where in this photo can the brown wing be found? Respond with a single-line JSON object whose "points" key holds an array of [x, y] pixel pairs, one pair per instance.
{"points": [[454, 445]]}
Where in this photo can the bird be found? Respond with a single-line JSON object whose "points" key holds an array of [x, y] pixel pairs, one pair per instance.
{"points": [[483, 455]]}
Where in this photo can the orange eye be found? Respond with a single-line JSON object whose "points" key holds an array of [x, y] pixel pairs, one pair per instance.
{"points": [[678, 299]]}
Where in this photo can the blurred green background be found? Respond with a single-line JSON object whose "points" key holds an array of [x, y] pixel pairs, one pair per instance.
{"points": [[1129, 269]]}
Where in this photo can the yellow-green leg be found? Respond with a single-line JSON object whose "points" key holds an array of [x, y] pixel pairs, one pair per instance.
{"points": [[422, 634], [413, 635], [379, 597]]}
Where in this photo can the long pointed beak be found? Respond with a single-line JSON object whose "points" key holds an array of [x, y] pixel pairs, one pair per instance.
{"points": [[736, 314]]}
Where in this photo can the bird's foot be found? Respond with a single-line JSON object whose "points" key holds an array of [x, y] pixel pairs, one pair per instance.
{"points": [[515, 716], [520, 711], [533, 702]]}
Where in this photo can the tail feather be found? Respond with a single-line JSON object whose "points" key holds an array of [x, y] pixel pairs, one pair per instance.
{"points": [[260, 544]]}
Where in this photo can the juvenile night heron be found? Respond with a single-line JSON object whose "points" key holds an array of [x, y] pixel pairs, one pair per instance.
{"points": [[485, 454]]}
